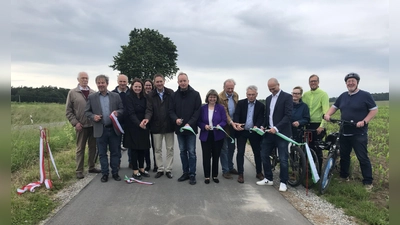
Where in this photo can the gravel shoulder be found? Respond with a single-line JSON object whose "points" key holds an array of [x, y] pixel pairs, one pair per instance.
{"points": [[317, 210]]}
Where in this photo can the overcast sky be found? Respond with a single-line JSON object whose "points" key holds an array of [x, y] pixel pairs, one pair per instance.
{"points": [[52, 41]]}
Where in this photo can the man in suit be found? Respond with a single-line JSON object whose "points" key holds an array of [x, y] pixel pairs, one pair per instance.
{"points": [[249, 113], [75, 112], [98, 109], [278, 112]]}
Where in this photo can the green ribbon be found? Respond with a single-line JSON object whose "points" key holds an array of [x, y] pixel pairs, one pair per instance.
{"points": [[314, 172], [218, 127], [189, 128]]}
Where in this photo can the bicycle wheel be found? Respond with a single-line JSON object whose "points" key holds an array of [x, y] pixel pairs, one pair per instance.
{"points": [[327, 172], [308, 181], [297, 166]]}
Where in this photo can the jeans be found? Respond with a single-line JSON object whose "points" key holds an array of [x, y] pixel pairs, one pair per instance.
{"points": [[269, 143], [111, 140], [359, 142], [255, 141], [226, 157], [187, 147]]}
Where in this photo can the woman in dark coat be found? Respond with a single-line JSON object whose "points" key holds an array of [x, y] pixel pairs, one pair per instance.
{"points": [[300, 113], [137, 135]]}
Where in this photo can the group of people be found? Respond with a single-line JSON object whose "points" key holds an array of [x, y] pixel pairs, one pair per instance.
{"points": [[151, 113]]}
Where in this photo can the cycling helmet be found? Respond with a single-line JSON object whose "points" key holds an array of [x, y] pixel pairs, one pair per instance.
{"points": [[352, 75]]}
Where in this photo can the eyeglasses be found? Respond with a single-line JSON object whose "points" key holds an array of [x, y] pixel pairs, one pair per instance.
{"points": [[296, 93], [313, 81]]}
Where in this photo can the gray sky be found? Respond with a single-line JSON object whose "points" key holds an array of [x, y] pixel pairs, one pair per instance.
{"points": [[52, 41]]}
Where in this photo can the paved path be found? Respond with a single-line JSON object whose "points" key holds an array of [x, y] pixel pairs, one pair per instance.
{"points": [[169, 202]]}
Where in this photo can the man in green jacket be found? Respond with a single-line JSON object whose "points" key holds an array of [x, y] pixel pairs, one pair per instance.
{"points": [[318, 103]]}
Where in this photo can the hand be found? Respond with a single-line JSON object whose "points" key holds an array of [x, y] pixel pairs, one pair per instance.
{"points": [[78, 127], [296, 123], [97, 118], [360, 123], [319, 130], [207, 127], [145, 121], [179, 122], [115, 113], [327, 117], [272, 131]]}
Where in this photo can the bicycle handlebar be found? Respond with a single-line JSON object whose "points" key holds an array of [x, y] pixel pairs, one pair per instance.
{"points": [[341, 121]]}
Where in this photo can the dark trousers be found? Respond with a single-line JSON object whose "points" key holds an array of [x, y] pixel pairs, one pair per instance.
{"points": [[111, 140], [359, 143], [211, 151], [269, 143], [255, 142], [147, 154], [137, 158], [313, 143]]}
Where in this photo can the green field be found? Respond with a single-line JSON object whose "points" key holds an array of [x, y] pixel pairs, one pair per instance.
{"points": [[369, 208]]}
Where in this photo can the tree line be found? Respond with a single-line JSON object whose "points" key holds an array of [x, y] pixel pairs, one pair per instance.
{"points": [[51, 94]]}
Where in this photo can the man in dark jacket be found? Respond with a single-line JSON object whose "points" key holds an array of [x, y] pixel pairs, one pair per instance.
{"points": [[278, 112], [161, 125], [249, 113], [123, 90], [185, 112]]}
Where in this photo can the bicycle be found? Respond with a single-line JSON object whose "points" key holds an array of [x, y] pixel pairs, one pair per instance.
{"points": [[305, 135], [296, 164], [332, 143]]}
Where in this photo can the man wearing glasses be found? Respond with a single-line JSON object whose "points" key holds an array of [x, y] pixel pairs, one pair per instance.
{"points": [[318, 103]]}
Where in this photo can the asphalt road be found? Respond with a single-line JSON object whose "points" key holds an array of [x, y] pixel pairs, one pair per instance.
{"points": [[169, 202]]}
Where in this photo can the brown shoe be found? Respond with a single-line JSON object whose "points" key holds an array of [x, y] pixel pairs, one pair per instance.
{"points": [[227, 176], [94, 170], [260, 176], [240, 178], [79, 175], [234, 171]]}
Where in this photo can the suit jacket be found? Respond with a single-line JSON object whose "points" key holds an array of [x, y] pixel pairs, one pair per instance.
{"points": [[93, 107], [240, 115], [219, 117], [282, 113]]}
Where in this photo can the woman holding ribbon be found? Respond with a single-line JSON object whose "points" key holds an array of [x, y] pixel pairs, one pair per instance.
{"points": [[211, 120], [137, 134]]}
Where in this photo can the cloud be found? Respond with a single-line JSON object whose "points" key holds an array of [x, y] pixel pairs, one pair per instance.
{"points": [[250, 42]]}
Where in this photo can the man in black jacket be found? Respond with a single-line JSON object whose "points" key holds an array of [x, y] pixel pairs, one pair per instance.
{"points": [[249, 113], [161, 125], [277, 117], [185, 112]]}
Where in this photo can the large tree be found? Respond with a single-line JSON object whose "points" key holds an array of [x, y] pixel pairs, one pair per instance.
{"points": [[147, 53]]}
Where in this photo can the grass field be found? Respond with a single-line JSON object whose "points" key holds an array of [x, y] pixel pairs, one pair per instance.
{"points": [[31, 208]]}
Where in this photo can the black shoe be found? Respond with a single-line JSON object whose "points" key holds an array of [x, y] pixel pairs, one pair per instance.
{"points": [[147, 168], [116, 177], [145, 174], [155, 169], [184, 177], [137, 176], [216, 180], [192, 180], [169, 175], [104, 178], [159, 174], [207, 180], [94, 170]]}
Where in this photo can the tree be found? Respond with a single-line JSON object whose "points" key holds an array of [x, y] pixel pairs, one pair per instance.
{"points": [[148, 52]]}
